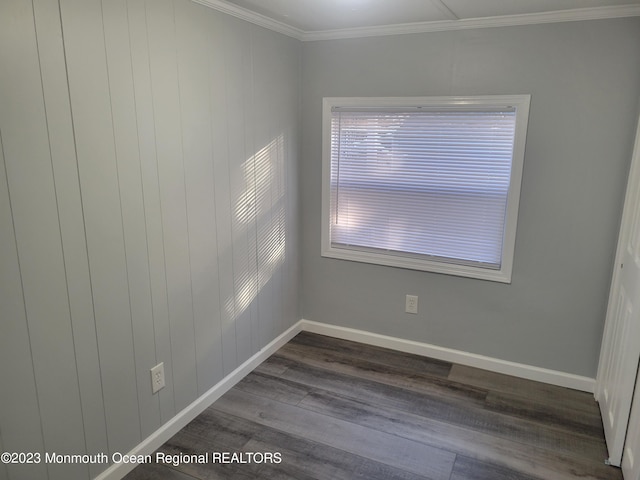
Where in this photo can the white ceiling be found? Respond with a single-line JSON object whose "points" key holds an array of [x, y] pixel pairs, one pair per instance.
{"points": [[317, 19]]}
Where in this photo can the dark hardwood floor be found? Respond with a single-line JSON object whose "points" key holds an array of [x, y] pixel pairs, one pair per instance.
{"points": [[332, 409]]}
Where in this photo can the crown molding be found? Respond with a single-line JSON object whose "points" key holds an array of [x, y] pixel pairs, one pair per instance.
{"points": [[253, 17], [580, 14], [594, 13]]}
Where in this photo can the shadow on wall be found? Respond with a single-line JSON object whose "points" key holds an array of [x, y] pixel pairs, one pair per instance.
{"points": [[259, 213]]}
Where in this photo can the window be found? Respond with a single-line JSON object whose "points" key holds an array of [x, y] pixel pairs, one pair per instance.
{"points": [[429, 183]]}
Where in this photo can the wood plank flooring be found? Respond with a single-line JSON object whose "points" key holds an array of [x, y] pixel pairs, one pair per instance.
{"points": [[334, 409]]}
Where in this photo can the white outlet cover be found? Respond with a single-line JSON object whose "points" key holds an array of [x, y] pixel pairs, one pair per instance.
{"points": [[157, 377], [411, 304]]}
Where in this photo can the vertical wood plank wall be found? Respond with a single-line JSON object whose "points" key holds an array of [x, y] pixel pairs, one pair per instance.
{"points": [[148, 213]]}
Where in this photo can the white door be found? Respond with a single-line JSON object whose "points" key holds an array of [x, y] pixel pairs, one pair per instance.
{"points": [[620, 351], [631, 454]]}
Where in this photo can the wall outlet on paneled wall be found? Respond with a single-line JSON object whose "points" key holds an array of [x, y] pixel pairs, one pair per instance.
{"points": [[157, 377]]}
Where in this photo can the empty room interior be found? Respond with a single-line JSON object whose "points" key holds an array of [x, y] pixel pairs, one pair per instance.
{"points": [[218, 243]]}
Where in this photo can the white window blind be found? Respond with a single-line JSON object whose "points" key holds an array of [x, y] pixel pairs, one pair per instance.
{"points": [[422, 183]]}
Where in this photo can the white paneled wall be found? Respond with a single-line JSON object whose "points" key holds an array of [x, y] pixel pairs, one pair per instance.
{"points": [[148, 213]]}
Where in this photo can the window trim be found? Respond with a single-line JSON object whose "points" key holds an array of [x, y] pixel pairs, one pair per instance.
{"points": [[521, 104]]}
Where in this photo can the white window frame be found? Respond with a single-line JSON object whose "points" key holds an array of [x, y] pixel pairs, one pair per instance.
{"points": [[503, 274]]}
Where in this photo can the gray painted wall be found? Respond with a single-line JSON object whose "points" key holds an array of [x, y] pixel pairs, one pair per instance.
{"points": [[148, 213], [584, 78]]}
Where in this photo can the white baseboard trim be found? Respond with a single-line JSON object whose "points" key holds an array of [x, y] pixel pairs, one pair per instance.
{"points": [[521, 370], [177, 423]]}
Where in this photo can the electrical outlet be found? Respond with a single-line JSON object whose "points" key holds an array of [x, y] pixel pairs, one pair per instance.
{"points": [[157, 377], [411, 304]]}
